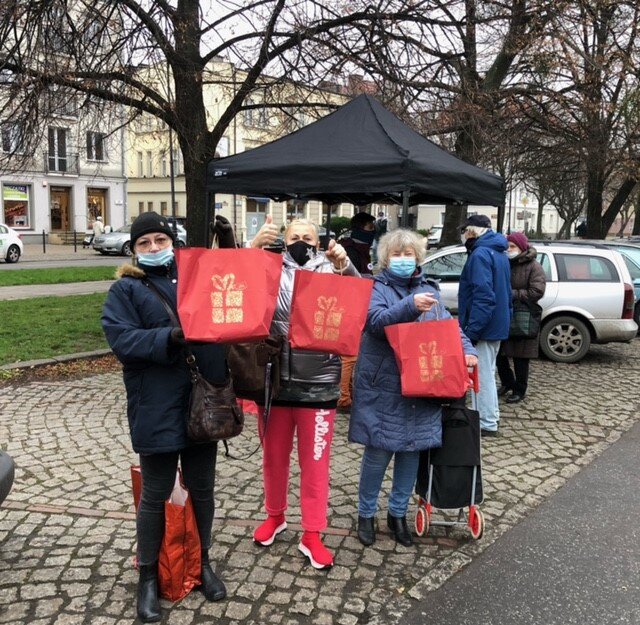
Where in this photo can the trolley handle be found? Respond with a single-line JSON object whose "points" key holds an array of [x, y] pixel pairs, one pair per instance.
{"points": [[474, 380]]}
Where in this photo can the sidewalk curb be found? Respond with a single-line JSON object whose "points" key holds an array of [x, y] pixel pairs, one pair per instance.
{"points": [[30, 364]]}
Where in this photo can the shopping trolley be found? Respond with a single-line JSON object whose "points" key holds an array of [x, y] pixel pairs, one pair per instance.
{"points": [[450, 477]]}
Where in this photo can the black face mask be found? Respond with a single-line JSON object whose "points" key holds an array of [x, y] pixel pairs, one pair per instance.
{"points": [[301, 252], [469, 244]]}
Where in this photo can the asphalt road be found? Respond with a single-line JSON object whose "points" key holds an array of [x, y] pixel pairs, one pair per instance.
{"points": [[575, 560]]}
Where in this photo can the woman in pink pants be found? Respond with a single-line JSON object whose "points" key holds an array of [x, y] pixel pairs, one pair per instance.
{"points": [[306, 401]]}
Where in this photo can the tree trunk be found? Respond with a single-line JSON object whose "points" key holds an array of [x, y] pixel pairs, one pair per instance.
{"points": [[625, 190], [595, 191], [636, 219], [540, 215]]}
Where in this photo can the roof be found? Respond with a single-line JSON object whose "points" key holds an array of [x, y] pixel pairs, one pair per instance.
{"points": [[361, 153]]}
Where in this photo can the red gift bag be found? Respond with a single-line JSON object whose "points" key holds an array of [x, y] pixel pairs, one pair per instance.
{"points": [[328, 312], [430, 358], [179, 560], [228, 295]]}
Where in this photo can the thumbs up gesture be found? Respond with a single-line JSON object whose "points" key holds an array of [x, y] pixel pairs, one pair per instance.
{"points": [[267, 235], [337, 255]]}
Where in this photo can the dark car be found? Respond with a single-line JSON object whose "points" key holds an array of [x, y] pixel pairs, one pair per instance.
{"points": [[7, 473]]}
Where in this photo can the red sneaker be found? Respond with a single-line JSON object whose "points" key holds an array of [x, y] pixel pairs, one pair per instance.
{"points": [[312, 547], [266, 533]]}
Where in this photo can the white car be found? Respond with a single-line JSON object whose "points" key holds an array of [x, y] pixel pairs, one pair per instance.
{"points": [[11, 246], [589, 296]]}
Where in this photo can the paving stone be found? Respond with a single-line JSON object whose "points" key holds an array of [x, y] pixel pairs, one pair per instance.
{"points": [[65, 561]]}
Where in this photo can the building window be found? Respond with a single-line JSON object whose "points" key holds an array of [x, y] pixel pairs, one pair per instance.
{"points": [[16, 205], [12, 138], [164, 167], [140, 208], [149, 206], [57, 155], [149, 164], [95, 146], [140, 165], [163, 208]]}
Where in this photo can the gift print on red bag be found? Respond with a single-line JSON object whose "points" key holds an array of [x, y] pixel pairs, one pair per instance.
{"points": [[432, 363], [227, 299], [327, 319]]}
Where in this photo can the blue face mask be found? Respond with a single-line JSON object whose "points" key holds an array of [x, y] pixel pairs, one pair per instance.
{"points": [[402, 266], [163, 257]]}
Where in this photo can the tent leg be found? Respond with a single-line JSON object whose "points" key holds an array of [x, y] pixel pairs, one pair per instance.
{"points": [[404, 222], [211, 198]]}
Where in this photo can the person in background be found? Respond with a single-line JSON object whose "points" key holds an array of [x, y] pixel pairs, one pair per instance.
{"points": [[158, 384], [484, 308], [388, 424], [528, 284], [98, 229], [381, 225], [305, 403], [358, 248]]}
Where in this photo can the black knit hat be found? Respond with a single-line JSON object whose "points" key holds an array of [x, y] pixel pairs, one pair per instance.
{"points": [[479, 221], [150, 222]]}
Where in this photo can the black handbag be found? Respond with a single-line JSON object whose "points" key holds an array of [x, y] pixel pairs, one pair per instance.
{"points": [[525, 321], [214, 413]]}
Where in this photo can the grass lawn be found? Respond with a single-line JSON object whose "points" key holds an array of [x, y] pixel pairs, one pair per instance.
{"points": [[43, 327], [61, 275]]}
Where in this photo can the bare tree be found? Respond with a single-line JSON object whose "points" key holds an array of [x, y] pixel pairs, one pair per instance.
{"points": [[154, 57]]}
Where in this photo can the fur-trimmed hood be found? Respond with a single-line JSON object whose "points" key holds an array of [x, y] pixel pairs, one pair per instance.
{"points": [[129, 270]]}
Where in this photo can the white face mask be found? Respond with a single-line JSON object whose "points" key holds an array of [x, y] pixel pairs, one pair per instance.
{"points": [[463, 238], [513, 254]]}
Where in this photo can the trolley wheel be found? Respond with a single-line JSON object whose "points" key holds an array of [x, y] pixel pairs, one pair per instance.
{"points": [[476, 522], [422, 521]]}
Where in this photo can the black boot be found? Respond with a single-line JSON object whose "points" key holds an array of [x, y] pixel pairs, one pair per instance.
{"points": [[366, 531], [148, 604], [399, 529], [212, 586]]}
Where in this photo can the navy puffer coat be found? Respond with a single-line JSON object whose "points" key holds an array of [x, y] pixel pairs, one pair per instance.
{"points": [[156, 376], [381, 417]]}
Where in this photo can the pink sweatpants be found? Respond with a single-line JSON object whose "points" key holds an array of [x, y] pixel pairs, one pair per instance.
{"points": [[315, 432]]}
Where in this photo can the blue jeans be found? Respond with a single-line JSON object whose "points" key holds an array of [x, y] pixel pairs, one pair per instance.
{"points": [[374, 465], [488, 395]]}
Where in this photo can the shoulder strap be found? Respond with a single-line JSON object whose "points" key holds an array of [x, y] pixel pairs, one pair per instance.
{"points": [[165, 302]]}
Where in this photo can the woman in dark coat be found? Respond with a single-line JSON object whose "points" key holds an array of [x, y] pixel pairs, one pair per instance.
{"points": [[158, 385], [388, 424], [528, 284]]}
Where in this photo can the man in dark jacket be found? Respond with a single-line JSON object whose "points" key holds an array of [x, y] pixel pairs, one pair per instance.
{"points": [[484, 308], [358, 248]]}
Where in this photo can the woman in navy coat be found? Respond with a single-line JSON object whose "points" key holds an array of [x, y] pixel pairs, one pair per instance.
{"points": [[387, 423], [158, 385]]}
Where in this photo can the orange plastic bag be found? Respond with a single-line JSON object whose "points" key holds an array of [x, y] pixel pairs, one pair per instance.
{"points": [[228, 295], [179, 561], [430, 358], [328, 312]]}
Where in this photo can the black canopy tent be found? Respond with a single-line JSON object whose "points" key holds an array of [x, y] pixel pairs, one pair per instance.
{"points": [[359, 154]]}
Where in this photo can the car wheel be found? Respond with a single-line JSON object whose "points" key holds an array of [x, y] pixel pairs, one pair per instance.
{"points": [[565, 339], [13, 254], [126, 249], [180, 243]]}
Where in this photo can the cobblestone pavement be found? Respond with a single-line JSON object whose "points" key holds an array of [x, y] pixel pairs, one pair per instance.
{"points": [[67, 531]]}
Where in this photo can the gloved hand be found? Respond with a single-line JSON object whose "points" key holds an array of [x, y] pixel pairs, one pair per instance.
{"points": [[176, 338], [222, 229]]}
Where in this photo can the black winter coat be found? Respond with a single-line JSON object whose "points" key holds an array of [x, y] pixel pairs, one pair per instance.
{"points": [[156, 376], [528, 283]]}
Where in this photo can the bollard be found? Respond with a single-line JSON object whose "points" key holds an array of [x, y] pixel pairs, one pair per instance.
{"points": [[75, 240], [44, 245]]}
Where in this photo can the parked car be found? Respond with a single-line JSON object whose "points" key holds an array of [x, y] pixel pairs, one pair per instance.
{"points": [[11, 246], [630, 254], [589, 296], [434, 236], [7, 474], [119, 241]]}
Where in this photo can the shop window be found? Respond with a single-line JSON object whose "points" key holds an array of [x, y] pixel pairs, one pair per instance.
{"points": [[16, 204]]}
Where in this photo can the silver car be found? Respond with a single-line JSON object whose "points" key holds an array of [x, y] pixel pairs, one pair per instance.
{"points": [[589, 296], [119, 241]]}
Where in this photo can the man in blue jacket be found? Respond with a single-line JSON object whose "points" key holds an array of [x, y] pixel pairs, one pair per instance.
{"points": [[484, 308]]}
